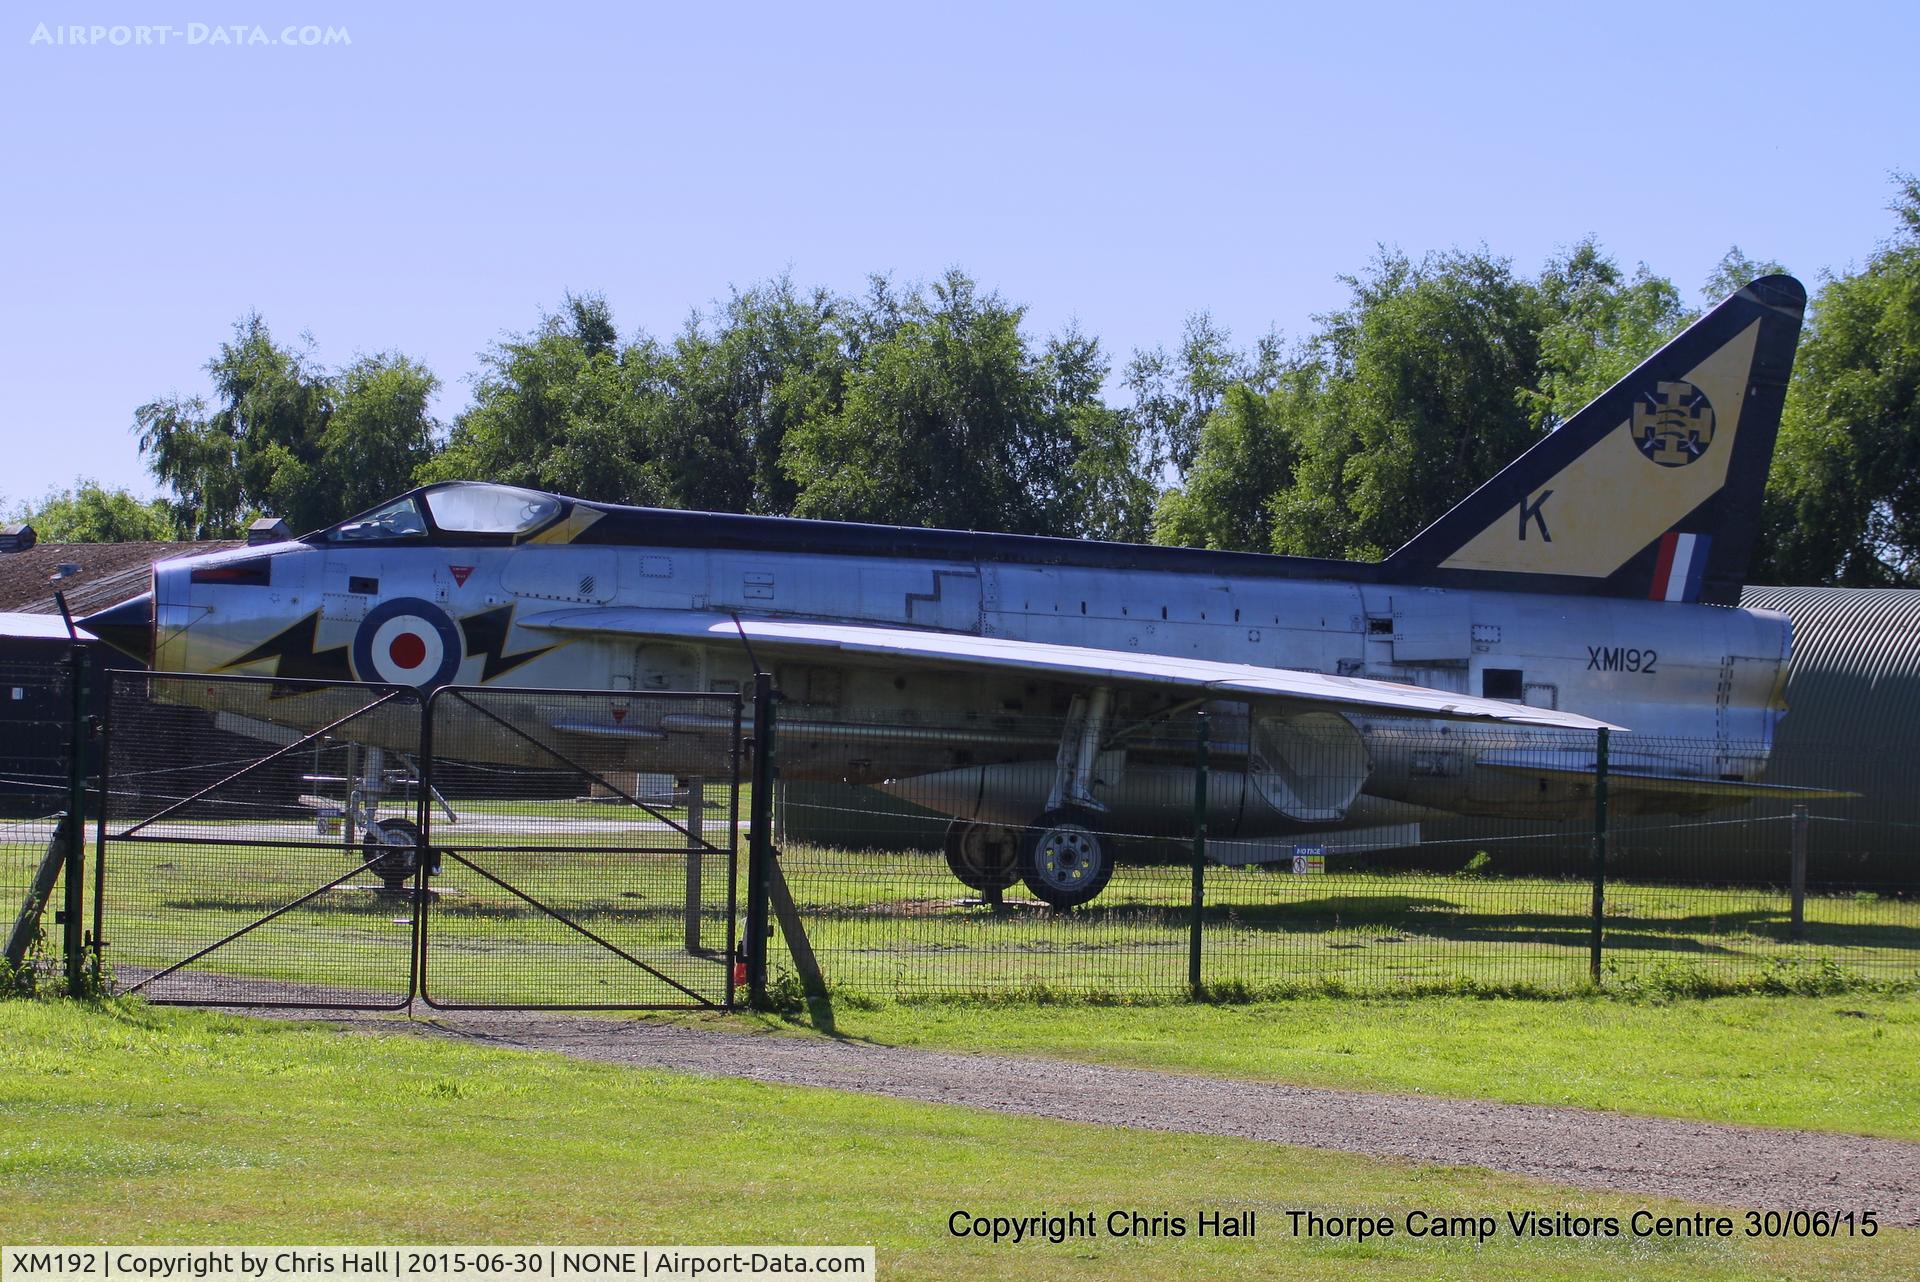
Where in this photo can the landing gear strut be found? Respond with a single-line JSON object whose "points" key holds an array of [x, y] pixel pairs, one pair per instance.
{"points": [[391, 847], [1065, 858]]}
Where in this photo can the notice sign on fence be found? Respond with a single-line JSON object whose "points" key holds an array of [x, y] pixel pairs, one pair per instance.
{"points": [[424, 1263], [1309, 859]]}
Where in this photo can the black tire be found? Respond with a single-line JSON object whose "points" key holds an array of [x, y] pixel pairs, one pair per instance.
{"points": [[1065, 859], [392, 848], [983, 857]]}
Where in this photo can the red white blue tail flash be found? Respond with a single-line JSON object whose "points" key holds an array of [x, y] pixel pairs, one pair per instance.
{"points": [[1683, 559]]}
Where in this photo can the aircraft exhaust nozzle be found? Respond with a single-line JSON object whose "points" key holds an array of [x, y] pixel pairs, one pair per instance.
{"points": [[127, 627]]}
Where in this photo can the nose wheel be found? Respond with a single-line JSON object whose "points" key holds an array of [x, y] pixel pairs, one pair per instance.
{"points": [[392, 850], [1065, 859]]}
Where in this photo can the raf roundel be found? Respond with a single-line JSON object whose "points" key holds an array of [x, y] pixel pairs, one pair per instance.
{"points": [[407, 642]]}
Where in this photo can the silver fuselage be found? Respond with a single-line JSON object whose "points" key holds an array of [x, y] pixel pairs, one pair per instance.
{"points": [[1706, 675]]}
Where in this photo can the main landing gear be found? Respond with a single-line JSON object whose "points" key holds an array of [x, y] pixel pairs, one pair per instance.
{"points": [[1064, 855], [392, 849], [985, 857], [1065, 858]]}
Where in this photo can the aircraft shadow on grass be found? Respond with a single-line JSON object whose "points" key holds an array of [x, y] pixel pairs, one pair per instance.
{"points": [[1348, 921], [1391, 918]]}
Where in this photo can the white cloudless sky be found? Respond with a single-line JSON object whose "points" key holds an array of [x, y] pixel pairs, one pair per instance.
{"points": [[448, 173]]}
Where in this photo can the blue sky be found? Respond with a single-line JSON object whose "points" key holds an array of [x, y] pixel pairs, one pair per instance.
{"points": [[447, 175]]}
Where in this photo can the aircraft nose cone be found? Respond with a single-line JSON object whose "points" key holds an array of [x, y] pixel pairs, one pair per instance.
{"points": [[127, 627]]}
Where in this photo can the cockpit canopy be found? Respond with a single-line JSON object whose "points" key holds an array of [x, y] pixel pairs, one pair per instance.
{"points": [[461, 509]]}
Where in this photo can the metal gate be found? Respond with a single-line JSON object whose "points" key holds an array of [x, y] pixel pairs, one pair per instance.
{"points": [[291, 843], [562, 876]]}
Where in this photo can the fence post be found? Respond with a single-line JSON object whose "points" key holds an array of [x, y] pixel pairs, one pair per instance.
{"points": [[696, 838], [74, 914], [760, 839], [98, 944], [1195, 930], [1599, 852], [26, 926], [1799, 919], [423, 853]]}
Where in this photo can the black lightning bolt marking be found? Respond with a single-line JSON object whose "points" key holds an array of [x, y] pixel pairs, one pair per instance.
{"points": [[486, 635], [295, 657], [293, 647]]}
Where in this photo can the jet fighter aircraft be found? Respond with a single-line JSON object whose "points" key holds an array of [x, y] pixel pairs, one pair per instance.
{"points": [[1590, 582]]}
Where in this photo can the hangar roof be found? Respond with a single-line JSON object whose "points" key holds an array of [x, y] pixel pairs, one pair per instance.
{"points": [[1855, 674], [109, 573]]}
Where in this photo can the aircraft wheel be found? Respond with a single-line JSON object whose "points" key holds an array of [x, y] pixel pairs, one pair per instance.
{"points": [[983, 856], [392, 847], [1065, 858]]}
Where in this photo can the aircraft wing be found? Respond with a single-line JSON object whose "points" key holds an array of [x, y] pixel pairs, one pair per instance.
{"points": [[1200, 677], [1647, 777]]}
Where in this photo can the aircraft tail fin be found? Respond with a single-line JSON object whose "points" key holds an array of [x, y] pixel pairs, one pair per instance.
{"points": [[1654, 489]]}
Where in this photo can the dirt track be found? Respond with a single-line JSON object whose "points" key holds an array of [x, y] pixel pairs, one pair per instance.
{"points": [[1701, 1162]]}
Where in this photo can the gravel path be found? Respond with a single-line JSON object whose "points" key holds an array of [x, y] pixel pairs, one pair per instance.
{"points": [[1721, 1165]]}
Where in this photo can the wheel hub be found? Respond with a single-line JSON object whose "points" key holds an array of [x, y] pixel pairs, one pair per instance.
{"points": [[1068, 856], [986, 850]]}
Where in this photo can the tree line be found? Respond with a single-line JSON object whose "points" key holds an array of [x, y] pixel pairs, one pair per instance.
{"points": [[934, 405]]}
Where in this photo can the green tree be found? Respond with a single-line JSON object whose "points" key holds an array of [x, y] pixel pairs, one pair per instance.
{"points": [[381, 430], [1174, 395], [700, 422], [1434, 376], [948, 419], [772, 357], [1245, 459], [565, 407], [89, 512], [1599, 324], [1734, 272], [1843, 503], [1431, 371], [1111, 486], [283, 435]]}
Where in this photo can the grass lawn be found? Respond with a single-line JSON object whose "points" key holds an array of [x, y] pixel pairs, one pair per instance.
{"points": [[1826, 1063], [130, 1124], [896, 925]]}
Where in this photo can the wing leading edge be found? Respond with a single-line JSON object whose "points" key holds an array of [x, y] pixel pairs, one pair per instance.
{"points": [[907, 647]]}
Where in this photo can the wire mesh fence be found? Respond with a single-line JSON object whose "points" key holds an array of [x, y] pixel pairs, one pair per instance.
{"points": [[257, 841], [1402, 857], [35, 721], [269, 841], [584, 856], [272, 842]]}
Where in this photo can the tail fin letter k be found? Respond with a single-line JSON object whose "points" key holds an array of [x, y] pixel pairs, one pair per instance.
{"points": [[1531, 512]]}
